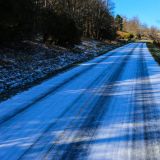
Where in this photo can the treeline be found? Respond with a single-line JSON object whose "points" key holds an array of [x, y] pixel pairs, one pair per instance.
{"points": [[62, 22], [137, 29]]}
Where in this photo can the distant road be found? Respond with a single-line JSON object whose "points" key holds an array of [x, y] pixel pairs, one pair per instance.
{"points": [[105, 109]]}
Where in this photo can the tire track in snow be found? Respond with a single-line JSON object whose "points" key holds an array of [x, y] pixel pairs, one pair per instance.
{"points": [[90, 125], [145, 112], [54, 89], [99, 80], [64, 113]]}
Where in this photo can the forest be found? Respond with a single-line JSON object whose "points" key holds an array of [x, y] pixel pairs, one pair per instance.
{"points": [[61, 22], [65, 22]]}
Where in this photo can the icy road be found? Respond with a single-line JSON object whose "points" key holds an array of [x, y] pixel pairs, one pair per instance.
{"points": [[105, 109]]}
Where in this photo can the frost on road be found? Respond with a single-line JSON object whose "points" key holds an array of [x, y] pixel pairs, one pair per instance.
{"points": [[105, 109]]}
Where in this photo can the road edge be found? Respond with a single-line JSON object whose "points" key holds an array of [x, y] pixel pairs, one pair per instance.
{"points": [[12, 92]]}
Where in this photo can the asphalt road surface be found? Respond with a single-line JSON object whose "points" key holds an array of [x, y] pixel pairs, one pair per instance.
{"points": [[104, 109]]}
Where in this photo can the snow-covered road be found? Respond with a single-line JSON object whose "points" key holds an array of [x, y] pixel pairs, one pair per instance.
{"points": [[104, 109]]}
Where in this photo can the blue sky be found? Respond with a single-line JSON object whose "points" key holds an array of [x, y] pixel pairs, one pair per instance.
{"points": [[148, 11]]}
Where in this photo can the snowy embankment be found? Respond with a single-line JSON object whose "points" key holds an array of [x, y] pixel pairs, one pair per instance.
{"points": [[20, 68]]}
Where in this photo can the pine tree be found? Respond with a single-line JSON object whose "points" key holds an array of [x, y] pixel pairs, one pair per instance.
{"points": [[119, 22]]}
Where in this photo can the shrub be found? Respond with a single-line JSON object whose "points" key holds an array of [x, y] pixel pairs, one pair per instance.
{"points": [[124, 35], [16, 19], [60, 29]]}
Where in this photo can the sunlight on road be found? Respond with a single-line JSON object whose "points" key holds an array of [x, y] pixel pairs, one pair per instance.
{"points": [[105, 109]]}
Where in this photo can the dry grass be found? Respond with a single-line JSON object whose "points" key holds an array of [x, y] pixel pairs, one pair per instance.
{"points": [[155, 51]]}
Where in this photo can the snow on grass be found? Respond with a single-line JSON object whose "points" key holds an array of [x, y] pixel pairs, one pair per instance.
{"points": [[25, 65]]}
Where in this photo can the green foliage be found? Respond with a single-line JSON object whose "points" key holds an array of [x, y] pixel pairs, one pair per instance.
{"points": [[119, 22], [128, 36]]}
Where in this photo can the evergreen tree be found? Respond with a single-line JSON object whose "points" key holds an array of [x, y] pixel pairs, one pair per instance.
{"points": [[119, 22]]}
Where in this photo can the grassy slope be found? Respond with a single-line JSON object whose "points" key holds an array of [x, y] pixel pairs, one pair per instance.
{"points": [[155, 51], [11, 92]]}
